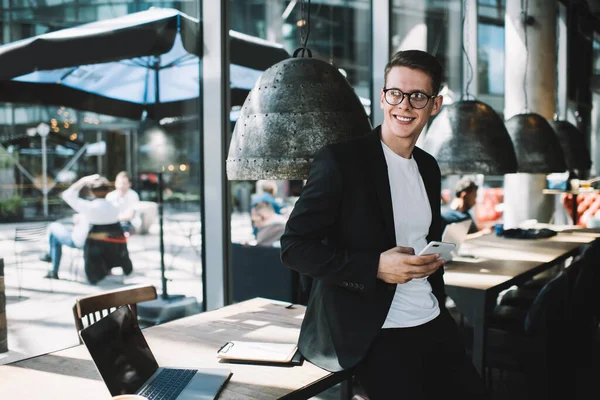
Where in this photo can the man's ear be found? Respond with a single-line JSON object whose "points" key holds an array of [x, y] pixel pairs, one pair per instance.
{"points": [[381, 100], [437, 105]]}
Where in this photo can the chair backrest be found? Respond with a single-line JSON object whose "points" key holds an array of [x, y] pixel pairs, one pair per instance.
{"points": [[553, 305], [91, 308], [30, 233]]}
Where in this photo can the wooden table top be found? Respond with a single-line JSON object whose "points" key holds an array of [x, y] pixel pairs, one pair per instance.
{"points": [[499, 260], [188, 342]]}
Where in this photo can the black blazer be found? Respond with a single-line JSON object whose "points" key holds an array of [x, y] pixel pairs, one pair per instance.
{"points": [[340, 225]]}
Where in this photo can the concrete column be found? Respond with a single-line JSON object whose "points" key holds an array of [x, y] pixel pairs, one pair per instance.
{"points": [[216, 237], [380, 54], [531, 61]]}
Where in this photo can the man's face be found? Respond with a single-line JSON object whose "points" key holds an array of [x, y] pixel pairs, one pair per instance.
{"points": [[122, 184], [402, 122], [257, 218], [470, 198]]}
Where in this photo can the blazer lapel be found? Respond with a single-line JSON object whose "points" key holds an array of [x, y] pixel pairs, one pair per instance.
{"points": [[382, 182]]}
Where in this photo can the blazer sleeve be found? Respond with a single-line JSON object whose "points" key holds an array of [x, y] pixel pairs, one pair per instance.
{"points": [[304, 247]]}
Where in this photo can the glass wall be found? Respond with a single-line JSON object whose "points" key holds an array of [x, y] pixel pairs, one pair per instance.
{"points": [[490, 52], [434, 26], [102, 117], [340, 34]]}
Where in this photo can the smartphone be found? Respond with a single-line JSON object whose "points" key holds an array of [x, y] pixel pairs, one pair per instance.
{"points": [[444, 249]]}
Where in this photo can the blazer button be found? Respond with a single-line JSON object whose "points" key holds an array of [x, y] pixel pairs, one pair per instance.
{"points": [[345, 284], [361, 286]]}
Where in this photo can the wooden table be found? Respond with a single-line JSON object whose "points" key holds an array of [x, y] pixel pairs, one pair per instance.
{"points": [[474, 284], [188, 342]]}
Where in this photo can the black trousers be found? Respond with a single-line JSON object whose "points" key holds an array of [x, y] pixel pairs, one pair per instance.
{"points": [[418, 363]]}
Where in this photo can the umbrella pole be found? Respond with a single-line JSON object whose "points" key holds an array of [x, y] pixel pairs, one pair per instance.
{"points": [[165, 295], [45, 176], [166, 307]]}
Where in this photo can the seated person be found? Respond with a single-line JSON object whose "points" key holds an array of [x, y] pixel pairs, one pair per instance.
{"points": [[269, 191], [125, 199], [96, 211], [269, 225], [465, 192]]}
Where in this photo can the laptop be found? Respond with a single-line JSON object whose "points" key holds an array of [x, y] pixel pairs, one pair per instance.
{"points": [[457, 233], [127, 365]]}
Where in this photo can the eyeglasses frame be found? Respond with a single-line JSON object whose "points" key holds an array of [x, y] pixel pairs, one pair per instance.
{"points": [[407, 95]]}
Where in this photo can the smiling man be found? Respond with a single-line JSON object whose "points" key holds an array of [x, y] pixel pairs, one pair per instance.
{"points": [[369, 205]]}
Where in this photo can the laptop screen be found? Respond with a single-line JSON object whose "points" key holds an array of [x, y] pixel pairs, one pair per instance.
{"points": [[120, 351], [456, 233]]}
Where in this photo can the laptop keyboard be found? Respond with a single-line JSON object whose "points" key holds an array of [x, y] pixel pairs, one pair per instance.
{"points": [[168, 384]]}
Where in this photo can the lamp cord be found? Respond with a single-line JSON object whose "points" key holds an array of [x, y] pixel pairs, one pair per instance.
{"points": [[524, 16], [471, 73], [305, 28]]}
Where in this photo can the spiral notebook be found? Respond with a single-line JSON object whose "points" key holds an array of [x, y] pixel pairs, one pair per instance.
{"points": [[260, 353]]}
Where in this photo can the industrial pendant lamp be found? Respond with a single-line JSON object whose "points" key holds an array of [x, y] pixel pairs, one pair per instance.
{"points": [[573, 144], [535, 142], [296, 107], [469, 137]]}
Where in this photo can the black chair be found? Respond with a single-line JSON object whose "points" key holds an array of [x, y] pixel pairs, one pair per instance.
{"points": [[257, 271], [105, 248], [540, 341]]}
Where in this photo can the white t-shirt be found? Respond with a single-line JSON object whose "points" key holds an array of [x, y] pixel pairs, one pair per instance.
{"points": [[123, 202], [91, 212], [414, 303]]}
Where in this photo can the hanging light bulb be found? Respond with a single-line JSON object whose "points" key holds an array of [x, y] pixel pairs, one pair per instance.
{"points": [[296, 107], [469, 137]]}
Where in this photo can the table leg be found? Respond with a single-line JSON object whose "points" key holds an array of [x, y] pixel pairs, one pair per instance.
{"points": [[474, 305], [574, 209]]}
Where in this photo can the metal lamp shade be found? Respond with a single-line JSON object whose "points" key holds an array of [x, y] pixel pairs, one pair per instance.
{"points": [[536, 144], [296, 107], [469, 137], [574, 146]]}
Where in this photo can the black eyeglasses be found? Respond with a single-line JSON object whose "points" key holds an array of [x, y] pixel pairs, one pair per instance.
{"points": [[416, 100]]}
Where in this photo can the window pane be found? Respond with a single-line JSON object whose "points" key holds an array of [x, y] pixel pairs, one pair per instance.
{"points": [[104, 116], [433, 26], [340, 34], [490, 54]]}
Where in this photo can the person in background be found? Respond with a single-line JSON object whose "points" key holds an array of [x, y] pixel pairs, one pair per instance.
{"points": [[267, 193], [369, 205], [270, 225], [465, 195], [125, 199], [96, 211]]}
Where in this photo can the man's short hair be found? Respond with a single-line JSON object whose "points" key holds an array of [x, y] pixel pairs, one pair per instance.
{"points": [[101, 191], [421, 60], [464, 185], [269, 187], [123, 174]]}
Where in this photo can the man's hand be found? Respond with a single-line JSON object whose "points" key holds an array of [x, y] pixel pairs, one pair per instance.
{"points": [[400, 265]]}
